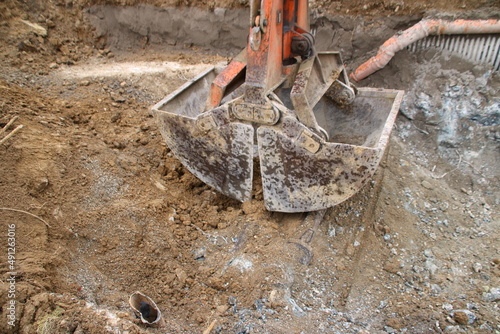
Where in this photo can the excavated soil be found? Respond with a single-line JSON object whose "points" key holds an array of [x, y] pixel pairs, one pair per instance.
{"points": [[94, 206]]}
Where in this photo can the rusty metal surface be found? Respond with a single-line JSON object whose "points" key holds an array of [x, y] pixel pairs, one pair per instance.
{"points": [[217, 151], [310, 85], [296, 179], [221, 156], [229, 76], [264, 59]]}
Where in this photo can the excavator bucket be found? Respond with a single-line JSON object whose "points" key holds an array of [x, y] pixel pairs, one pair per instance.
{"points": [[218, 152], [281, 104], [301, 173]]}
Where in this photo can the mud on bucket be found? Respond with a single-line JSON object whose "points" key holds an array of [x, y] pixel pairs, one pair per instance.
{"points": [[145, 308], [300, 170]]}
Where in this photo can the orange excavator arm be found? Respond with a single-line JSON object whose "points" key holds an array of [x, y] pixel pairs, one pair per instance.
{"points": [[277, 35]]}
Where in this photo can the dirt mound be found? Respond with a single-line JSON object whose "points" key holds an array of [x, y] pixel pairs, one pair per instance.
{"points": [[97, 207]]}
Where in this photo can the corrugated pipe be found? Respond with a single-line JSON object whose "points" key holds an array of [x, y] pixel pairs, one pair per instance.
{"points": [[420, 30]]}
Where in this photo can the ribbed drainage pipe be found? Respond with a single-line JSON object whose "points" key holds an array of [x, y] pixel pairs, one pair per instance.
{"points": [[420, 30]]}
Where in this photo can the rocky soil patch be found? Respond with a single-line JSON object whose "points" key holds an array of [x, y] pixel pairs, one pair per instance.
{"points": [[100, 208]]}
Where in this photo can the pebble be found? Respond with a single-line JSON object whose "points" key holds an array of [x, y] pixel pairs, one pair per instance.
{"points": [[50, 23], [428, 253], [36, 28], [431, 266], [389, 329], [181, 275], [417, 269], [392, 266], [436, 289], [116, 117], [477, 267], [40, 184], [423, 102], [465, 191], [199, 254], [122, 314], [382, 304], [119, 99], [222, 308], [426, 184], [119, 145], [448, 307], [493, 295], [464, 317], [394, 323]]}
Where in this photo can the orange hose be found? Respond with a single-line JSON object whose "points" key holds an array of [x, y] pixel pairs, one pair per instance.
{"points": [[420, 30]]}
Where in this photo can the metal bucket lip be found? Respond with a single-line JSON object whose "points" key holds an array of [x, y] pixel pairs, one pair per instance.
{"points": [[396, 96], [134, 301], [157, 107], [391, 118]]}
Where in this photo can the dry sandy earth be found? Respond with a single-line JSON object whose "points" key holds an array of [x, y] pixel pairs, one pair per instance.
{"points": [[107, 210]]}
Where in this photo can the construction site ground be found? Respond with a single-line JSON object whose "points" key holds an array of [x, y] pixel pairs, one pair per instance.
{"points": [[97, 207]]}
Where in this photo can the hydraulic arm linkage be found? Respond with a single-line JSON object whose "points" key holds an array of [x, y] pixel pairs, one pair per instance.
{"points": [[317, 139]]}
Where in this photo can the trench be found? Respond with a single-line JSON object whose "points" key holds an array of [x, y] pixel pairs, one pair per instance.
{"points": [[224, 31], [135, 220], [450, 100]]}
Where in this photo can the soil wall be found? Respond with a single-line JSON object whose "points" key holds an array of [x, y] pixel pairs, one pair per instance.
{"points": [[225, 31], [127, 28]]}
